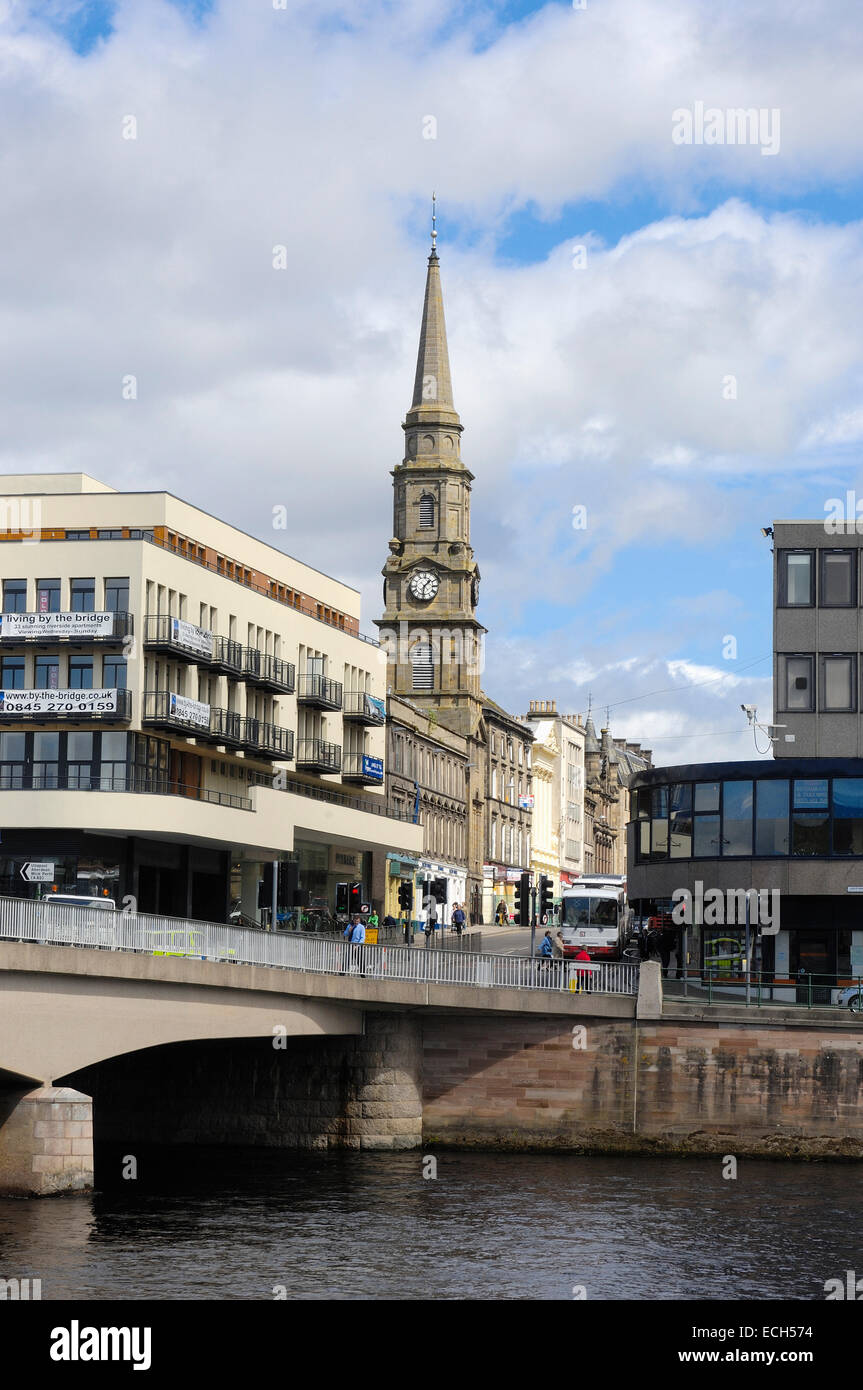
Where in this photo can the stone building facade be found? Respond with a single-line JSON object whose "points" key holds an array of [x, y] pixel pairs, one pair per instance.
{"points": [[426, 774], [610, 765], [508, 806]]}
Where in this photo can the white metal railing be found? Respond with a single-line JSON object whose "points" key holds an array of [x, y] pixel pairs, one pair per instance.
{"points": [[64, 924]]}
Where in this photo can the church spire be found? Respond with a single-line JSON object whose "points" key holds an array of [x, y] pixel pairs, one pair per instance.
{"points": [[432, 401]]}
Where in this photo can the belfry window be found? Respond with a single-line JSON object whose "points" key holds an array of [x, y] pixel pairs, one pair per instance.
{"points": [[426, 510], [423, 666]]}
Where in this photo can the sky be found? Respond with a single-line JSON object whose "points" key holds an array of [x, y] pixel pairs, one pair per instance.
{"points": [[654, 337]]}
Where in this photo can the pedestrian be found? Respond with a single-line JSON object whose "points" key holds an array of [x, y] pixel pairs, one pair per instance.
{"points": [[358, 945], [348, 936], [458, 919], [545, 952], [558, 950], [582, 977], [665, 943], [501, 916], [390, 921], [373, 919]]}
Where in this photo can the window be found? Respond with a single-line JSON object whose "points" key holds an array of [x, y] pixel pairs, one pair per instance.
{"points": [[706, 796], [77, 535], [771, 816], [12, 672], [680, 838], [838, 683], [47, 672], [46, 759], [737, 818], [117, 595], [14, 595], [114, 673], [796, 682], [79, 760], [494, 782], [848, 815], [83, 595], [12, 761], [426, 510], [110, 535], [838, 579], [659, 822], [47, 595], [112, 766], [810, 821], [80, 673], [423, 666], [796, 578]]}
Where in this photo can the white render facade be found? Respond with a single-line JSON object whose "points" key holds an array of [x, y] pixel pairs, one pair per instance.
{"points": [[187, 694], [557, 847]]}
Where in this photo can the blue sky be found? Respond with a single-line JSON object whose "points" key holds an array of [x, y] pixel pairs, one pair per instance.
{"points": [[600, 386]]}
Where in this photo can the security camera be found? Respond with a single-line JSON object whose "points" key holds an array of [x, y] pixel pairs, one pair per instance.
{"points": [[750, 711]]}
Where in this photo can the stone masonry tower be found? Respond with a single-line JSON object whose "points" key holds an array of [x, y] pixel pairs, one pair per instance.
{"points": [[431, 579]]}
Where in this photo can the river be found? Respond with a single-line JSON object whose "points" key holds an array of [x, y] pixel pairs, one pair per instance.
{"points": [[205, 1224]]}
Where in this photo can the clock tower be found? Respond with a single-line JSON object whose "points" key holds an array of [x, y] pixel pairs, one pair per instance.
{"points": [[433, 640]]}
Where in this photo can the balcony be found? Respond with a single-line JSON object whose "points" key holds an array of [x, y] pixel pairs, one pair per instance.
{"points": [[227, 657], [174, 637], [269, 672], [319, 692], [363, 708], [62, 706], [68, 629], [314, 755], [266, 740], [363, 769], [164, 709]]}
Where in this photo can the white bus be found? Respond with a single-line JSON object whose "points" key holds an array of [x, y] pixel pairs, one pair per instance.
{"points": [[594, 915]]}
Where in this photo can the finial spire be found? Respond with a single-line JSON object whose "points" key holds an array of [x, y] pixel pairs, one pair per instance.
{"points": [[434, 228]]}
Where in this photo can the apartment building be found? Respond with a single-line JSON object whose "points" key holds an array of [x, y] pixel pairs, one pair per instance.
{"points": [[181, 704]]}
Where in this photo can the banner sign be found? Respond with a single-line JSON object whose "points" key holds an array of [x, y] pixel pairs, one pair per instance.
{"points": [[190, 711], [13, 625], [526, 803], [196, 639], [50, 702], [373, 767], [376, 706]]}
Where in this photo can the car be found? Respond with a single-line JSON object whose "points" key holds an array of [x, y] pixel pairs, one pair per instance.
{"points": [[850, 997], [724, 956]]}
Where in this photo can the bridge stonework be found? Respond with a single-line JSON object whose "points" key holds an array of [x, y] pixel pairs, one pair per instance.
{"points": [[682, 1084], [359, 1092]]}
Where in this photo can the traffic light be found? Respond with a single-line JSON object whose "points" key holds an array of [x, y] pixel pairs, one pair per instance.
{"points": [[522, 900], [355, 897], [544, 899], [406, 895]]}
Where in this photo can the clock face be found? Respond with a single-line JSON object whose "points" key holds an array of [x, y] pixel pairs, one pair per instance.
{"points": [[424, 585]]}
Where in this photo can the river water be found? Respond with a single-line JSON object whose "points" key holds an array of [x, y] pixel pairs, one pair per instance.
{"points": [[206, 1224]]}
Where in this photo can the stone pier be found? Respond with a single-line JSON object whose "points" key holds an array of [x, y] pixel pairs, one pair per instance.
{"points": [[46, 1141]]}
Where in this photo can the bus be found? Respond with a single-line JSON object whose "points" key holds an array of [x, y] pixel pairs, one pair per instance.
{"points": [[594, 915]]}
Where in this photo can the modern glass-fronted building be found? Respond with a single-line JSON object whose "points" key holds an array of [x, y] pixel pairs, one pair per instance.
{"points": [[794, 825]]}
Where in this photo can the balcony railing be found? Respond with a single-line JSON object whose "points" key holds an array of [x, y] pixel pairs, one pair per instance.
{"points": [[359, 767], [61, 706], [141, 781], [314, 755], [227, 656], [267, 740], [320, 692], [67, 629], [165, 709], [269, 672], [362, 709], [175, 637]]}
